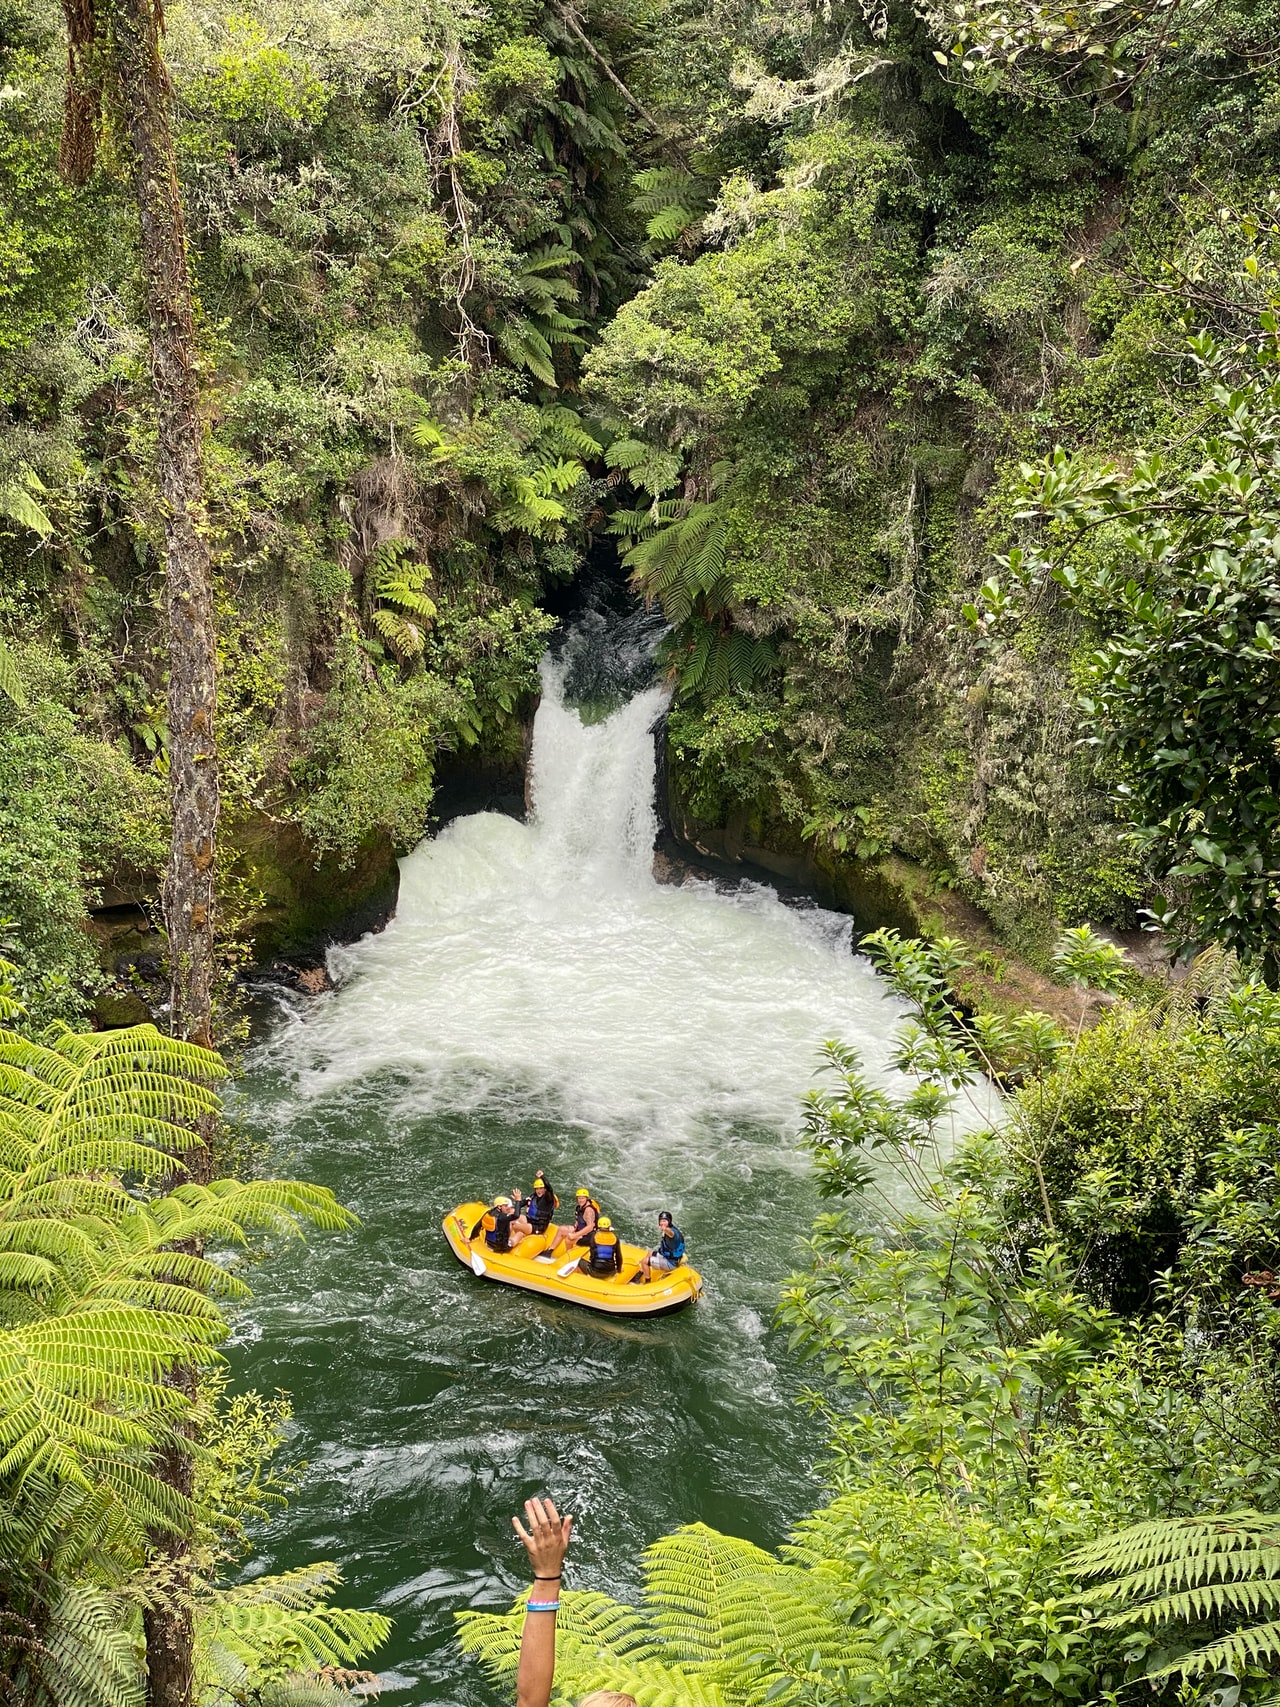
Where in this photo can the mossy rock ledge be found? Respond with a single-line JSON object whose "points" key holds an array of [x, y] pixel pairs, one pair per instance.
{"points": [[877, 893], [309, 901]]}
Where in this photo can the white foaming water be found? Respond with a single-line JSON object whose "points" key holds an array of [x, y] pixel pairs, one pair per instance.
{"points": [[539, 967]]}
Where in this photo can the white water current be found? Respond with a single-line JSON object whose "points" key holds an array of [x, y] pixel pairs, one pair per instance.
{"points": [[540, 965]]}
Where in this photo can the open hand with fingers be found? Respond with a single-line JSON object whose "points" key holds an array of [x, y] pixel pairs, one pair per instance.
{"points": [[546, 1540], [546, 1537]]}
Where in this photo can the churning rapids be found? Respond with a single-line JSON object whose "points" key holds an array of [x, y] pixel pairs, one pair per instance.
{"points": [[540, 1000]]}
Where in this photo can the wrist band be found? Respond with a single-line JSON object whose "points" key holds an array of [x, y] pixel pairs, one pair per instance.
{"points": [[542, 1605], [554, 1579]]}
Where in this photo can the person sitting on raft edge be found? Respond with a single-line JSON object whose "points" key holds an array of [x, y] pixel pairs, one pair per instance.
{"points": [[669, 1251], [603, 1256], [586, 1214], [496, 1224], [546, 1541], [534, 1214]]}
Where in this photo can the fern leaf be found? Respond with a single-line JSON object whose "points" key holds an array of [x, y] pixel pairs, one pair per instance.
{"points": [[525, 345], [11, 684], [404, 638], [18, 502], [1193, 1572], [564, 426]]}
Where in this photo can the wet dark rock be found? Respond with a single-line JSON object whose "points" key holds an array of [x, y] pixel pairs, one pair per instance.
{"points": [[310, 901], [116, 1008]]}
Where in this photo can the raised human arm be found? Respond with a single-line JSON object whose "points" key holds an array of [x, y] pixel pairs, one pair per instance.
{"points": [[546, 1540]]}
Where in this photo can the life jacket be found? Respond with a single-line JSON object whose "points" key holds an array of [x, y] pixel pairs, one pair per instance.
{"points": [[580, 1217], [603, 1252], [540, 1209], [671, 1245], [495, 1224]]}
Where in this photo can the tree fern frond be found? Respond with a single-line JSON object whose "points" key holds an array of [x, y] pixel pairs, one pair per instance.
{"points": [[86, 1656], [1192, 1572], [404, 638], [275, 1205], [549, 259], [653, 1682], [723, 1624], [1199, 1605], [684, 561], [19, 503], [563, 426], [671, 200], [276, 1628], [524, 345], [21, 1271], [593, 1622], [397, 581], [562, 475], [686, 1577], [13, 688], [299, 1589], [1259, 1645], [1165, 1540]]}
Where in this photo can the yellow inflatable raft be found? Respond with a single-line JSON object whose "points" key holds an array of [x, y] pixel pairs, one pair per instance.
{"points": [[562, 1278]]}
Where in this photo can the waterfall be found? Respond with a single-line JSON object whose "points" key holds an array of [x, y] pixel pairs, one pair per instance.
{"points": [[592, 789], [539, 967]]}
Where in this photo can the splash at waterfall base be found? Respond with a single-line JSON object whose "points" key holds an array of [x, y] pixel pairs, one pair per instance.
{"points": [[528, 1269]]}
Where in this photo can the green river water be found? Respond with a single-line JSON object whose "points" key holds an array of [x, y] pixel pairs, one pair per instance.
{"points": [[539, 1001]]}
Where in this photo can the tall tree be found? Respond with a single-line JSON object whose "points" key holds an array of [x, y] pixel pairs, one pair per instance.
{"points": [[114, 59], [114, 53]]}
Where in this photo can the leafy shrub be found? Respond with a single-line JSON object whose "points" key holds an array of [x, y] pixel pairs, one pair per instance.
{"points": [[1144, 1119]]}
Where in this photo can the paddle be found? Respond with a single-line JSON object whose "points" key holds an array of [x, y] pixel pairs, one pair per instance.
{"points": [[568, 1268], [477, 1261]]}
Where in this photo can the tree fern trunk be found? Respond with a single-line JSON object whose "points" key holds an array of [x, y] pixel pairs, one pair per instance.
{"points": [[193, 765], [169, 1626]]}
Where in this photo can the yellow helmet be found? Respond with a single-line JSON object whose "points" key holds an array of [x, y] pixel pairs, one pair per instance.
{"points": [[582, 1192], [502, 1203], [605, 1221], [540, 1182]]}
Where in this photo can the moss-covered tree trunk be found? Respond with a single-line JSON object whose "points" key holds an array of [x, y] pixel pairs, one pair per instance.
{"points": [[193, 762], [145, 95]]}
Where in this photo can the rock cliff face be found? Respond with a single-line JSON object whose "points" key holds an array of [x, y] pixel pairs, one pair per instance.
{"points": [[877, 893], [298, 907], [308, 904]]}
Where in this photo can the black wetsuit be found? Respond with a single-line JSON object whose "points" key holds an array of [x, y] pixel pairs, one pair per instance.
{"points": [[539, 1210]]}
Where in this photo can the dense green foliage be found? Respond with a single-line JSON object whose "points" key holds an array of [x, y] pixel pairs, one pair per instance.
{"points": [[403, 225], [1182, 695], [1006, 1378], [777, 301], [107, 1292]]}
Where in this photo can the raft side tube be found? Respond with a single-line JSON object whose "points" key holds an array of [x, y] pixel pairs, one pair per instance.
{"points": [[612, 1295]]}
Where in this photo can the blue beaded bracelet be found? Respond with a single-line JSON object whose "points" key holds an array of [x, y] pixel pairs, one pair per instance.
{"points": [[542, 1605]]}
